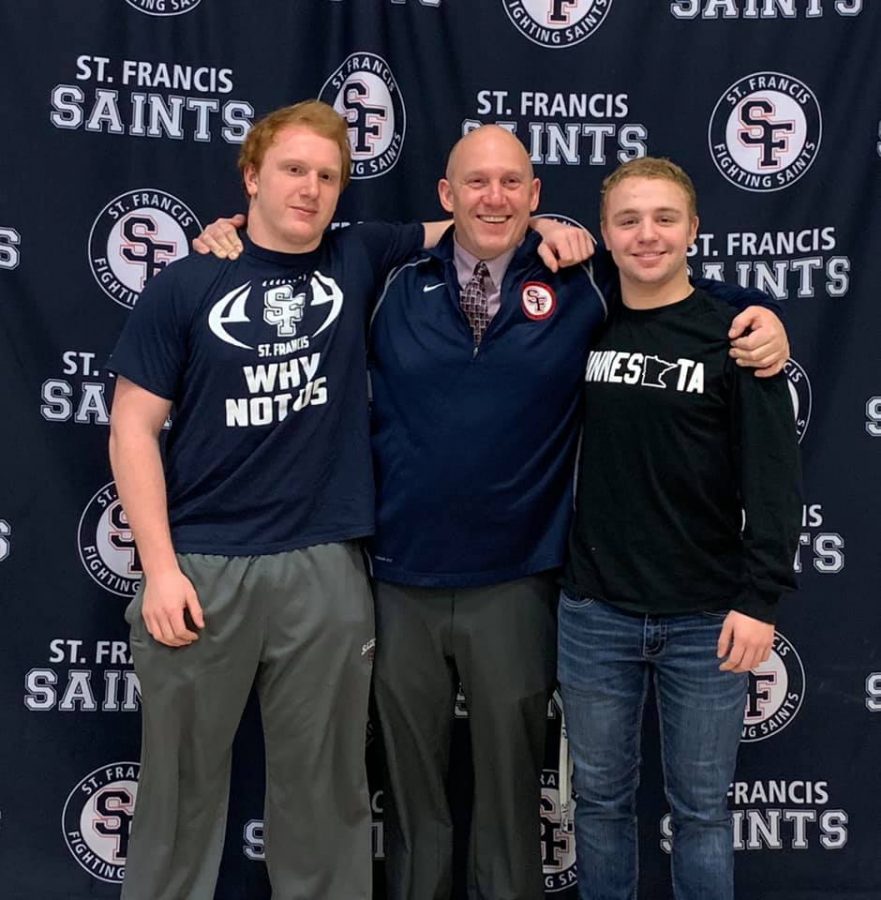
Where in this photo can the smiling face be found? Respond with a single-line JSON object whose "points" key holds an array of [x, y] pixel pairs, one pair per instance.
{"points": [[294, 193], [490, 190], [648, 225]]}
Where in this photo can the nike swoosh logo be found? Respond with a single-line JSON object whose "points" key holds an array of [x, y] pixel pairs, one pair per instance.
{"points": [[432, 287]]}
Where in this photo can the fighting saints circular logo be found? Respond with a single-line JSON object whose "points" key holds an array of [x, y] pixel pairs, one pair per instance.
{"points": [[97, 819], [557, 842], [800, 394], [775, 694], [765, 131], [106, 544], [364, 92], [557, 23], [135, 237], [164, 7], [561, 217]]}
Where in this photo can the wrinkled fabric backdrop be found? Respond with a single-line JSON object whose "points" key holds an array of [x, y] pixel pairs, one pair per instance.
{"points": [[123, 121]]}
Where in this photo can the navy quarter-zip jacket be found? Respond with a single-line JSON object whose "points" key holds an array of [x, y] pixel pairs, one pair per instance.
{"points": [[474, 448]]}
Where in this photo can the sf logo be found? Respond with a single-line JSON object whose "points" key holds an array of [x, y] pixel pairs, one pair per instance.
{"points": [[284, 309], [140, 247], [538, 300], [114, 810], [759, 697], [557, 843], [772, 138], [558, 12], [121, 538], [5, 539], [365, 121]]}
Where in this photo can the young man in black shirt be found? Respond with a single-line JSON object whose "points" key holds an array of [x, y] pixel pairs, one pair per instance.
{"points": [[686, 524]]}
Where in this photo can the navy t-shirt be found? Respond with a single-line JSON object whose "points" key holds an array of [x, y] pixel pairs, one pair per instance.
{"points": [[264, 360]]}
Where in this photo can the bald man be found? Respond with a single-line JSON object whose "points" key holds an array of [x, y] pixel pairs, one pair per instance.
{"points": [[475, 421]]}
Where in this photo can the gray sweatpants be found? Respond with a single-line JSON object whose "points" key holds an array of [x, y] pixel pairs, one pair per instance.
{"points": [[299, 626]]}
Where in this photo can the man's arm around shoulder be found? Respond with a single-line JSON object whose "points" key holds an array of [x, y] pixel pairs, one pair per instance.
{"points": [[757, 334]]}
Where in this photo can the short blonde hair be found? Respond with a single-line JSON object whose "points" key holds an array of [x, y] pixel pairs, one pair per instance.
{"points": [[315, 115], [649, 167]]}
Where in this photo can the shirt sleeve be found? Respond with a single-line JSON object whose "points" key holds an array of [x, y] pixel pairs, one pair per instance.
{"points": [[738, 297], [151, 348], [389, 244], [766, 461]]}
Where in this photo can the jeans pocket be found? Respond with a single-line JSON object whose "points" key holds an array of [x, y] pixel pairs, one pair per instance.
{"points": [[715, 613], [571, 602]]}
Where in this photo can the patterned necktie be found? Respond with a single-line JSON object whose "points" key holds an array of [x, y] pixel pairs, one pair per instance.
{"points": [[473, 302]]}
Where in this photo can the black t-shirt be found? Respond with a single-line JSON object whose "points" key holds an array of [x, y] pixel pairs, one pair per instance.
{"points": [[678, 443]]}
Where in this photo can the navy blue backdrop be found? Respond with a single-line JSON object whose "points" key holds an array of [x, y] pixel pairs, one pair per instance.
{"points": [[123, 121]]}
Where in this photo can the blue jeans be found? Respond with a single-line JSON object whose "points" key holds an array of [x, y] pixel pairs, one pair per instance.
{"points": [[605, 660]]}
